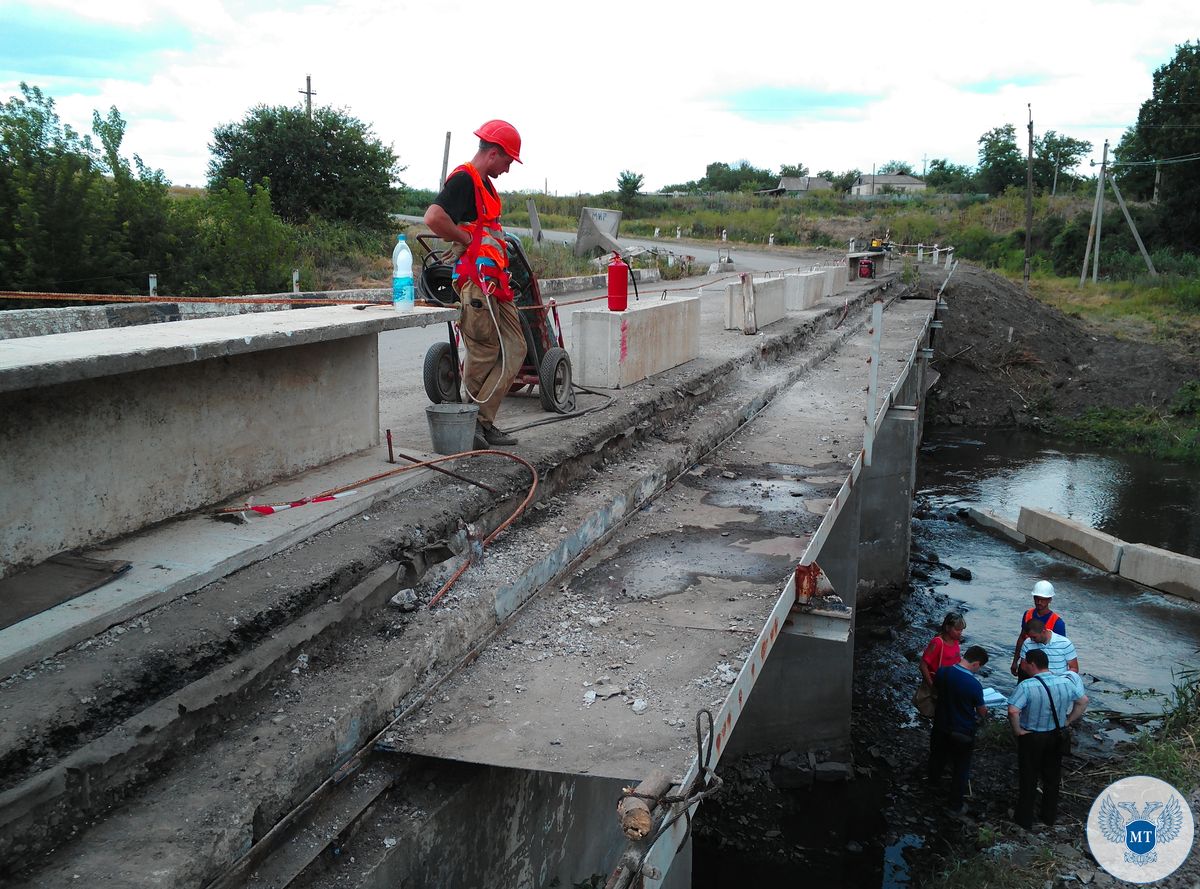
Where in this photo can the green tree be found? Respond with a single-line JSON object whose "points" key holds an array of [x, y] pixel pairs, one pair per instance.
{"points": [[1054, 157], [896, 168], [1134, 175], [146, 237], [792, 171], [237, 243], [628, 186], [842, 182], [1167, 129], [331, 166], [1001, 163], [741, 176], [950, 178], [56, 208]]}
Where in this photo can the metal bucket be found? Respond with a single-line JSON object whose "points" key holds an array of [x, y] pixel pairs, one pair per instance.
{"points": [[452, 427]]}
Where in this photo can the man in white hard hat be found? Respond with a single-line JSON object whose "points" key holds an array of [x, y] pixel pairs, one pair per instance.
{"points": [[1043, 593]]}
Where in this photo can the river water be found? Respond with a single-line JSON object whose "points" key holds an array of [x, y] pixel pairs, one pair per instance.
{"points": [[1132, 642]]}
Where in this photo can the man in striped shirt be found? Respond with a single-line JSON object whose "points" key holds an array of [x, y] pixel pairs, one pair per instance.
{"points": [[1039, 706], [1059, 650]]}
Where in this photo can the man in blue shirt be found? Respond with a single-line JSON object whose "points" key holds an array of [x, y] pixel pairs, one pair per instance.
{"points": [[1036, 709], [959, 709]]}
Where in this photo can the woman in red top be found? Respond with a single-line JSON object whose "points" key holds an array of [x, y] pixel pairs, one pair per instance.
{"points": [[942, 650]]}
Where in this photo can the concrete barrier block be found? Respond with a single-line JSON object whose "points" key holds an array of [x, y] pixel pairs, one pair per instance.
{"points": [[830, 284], [814, 287], [615, 349], [1092, 546], [998, 525], [793, 292], [770, 303], [841, 280], [805, 290], [1162, 569]]}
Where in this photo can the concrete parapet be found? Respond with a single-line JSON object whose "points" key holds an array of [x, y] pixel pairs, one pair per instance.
{"points": [[615, 349], [770, 303], [885, 514], [1092, 546], [1162, 569], [168, 418]]}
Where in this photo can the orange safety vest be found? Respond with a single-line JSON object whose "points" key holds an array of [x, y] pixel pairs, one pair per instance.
{"points": [[486, 261], [1051, 622]]}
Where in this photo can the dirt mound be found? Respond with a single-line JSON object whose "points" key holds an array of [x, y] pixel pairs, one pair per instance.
{"points": [[1006, 359]]}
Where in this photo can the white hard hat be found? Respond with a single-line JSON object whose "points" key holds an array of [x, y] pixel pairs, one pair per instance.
{"points": [[1043, 589]]}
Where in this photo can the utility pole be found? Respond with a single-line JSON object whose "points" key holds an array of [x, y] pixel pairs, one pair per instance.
{"points": [[1099, 211], [308, 93], [1029, 199], [446, 158], [924, 164]]}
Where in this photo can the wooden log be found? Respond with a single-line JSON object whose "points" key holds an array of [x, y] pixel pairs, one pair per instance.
{"points": [[749, 317], [635, 814]]}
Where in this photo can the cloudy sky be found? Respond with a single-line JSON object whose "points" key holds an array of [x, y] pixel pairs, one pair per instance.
{"points": [[660, 88]]}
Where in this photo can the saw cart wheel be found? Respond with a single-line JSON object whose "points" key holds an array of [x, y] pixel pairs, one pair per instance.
{"points": [[554, 382], [439, 374]]}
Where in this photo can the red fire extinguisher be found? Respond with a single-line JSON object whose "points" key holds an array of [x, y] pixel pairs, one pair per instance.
{"points": [[618, 284]]}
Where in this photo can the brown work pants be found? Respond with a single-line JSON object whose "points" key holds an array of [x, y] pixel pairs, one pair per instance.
{"points": [[487, 377]]}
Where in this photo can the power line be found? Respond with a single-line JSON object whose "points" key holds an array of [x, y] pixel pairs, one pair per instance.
{"points": [[1181, 159]]}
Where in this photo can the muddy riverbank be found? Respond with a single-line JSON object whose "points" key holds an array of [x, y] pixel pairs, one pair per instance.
{"points": [[1008, 360]]}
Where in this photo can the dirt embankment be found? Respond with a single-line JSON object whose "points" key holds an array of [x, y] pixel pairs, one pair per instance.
{"points": [[1006, 359]]}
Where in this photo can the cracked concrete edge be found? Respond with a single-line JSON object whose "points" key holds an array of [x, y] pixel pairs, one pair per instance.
{"points": [[38, 647], [86, 781], [83, 783]]}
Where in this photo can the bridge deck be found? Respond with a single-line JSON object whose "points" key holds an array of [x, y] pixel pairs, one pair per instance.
{"points": [[667, 612]]}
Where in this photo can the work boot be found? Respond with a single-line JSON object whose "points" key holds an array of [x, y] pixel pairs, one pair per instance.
{"points": [[492, 435]]}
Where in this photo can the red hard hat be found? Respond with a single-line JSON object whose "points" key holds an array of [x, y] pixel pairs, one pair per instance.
{"points": [[503, 134]]}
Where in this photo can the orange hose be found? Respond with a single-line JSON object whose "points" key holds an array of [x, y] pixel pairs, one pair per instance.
{"points": [[500, 528]]}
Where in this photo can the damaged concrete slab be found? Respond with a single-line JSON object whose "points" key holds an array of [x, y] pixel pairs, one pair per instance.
{"points": [[247, 759]]}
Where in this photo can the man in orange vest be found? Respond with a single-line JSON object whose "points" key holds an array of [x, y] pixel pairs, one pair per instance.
{"points": [[466, 213], [1043, 593]]}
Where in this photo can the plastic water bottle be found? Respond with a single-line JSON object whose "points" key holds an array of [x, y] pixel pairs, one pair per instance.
{"points": [[402, 277]]}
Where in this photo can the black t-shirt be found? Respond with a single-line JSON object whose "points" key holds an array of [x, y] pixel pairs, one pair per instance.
{"points": [[457, 197]]}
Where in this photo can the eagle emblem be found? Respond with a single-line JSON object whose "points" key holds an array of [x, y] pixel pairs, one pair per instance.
{"points": [[1123, 824]]}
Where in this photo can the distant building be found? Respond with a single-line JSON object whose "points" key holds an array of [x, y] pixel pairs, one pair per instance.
{"points": [[798, 185], [886, 183]]}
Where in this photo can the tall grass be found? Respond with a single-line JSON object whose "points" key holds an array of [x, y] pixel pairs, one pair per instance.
{"points": [[1170, 753]]}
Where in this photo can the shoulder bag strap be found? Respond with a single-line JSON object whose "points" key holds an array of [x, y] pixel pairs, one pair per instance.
{"points": [[1050, 697]]}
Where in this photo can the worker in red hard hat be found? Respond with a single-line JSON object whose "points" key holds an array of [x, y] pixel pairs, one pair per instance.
{"points": [[466, 212]]}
